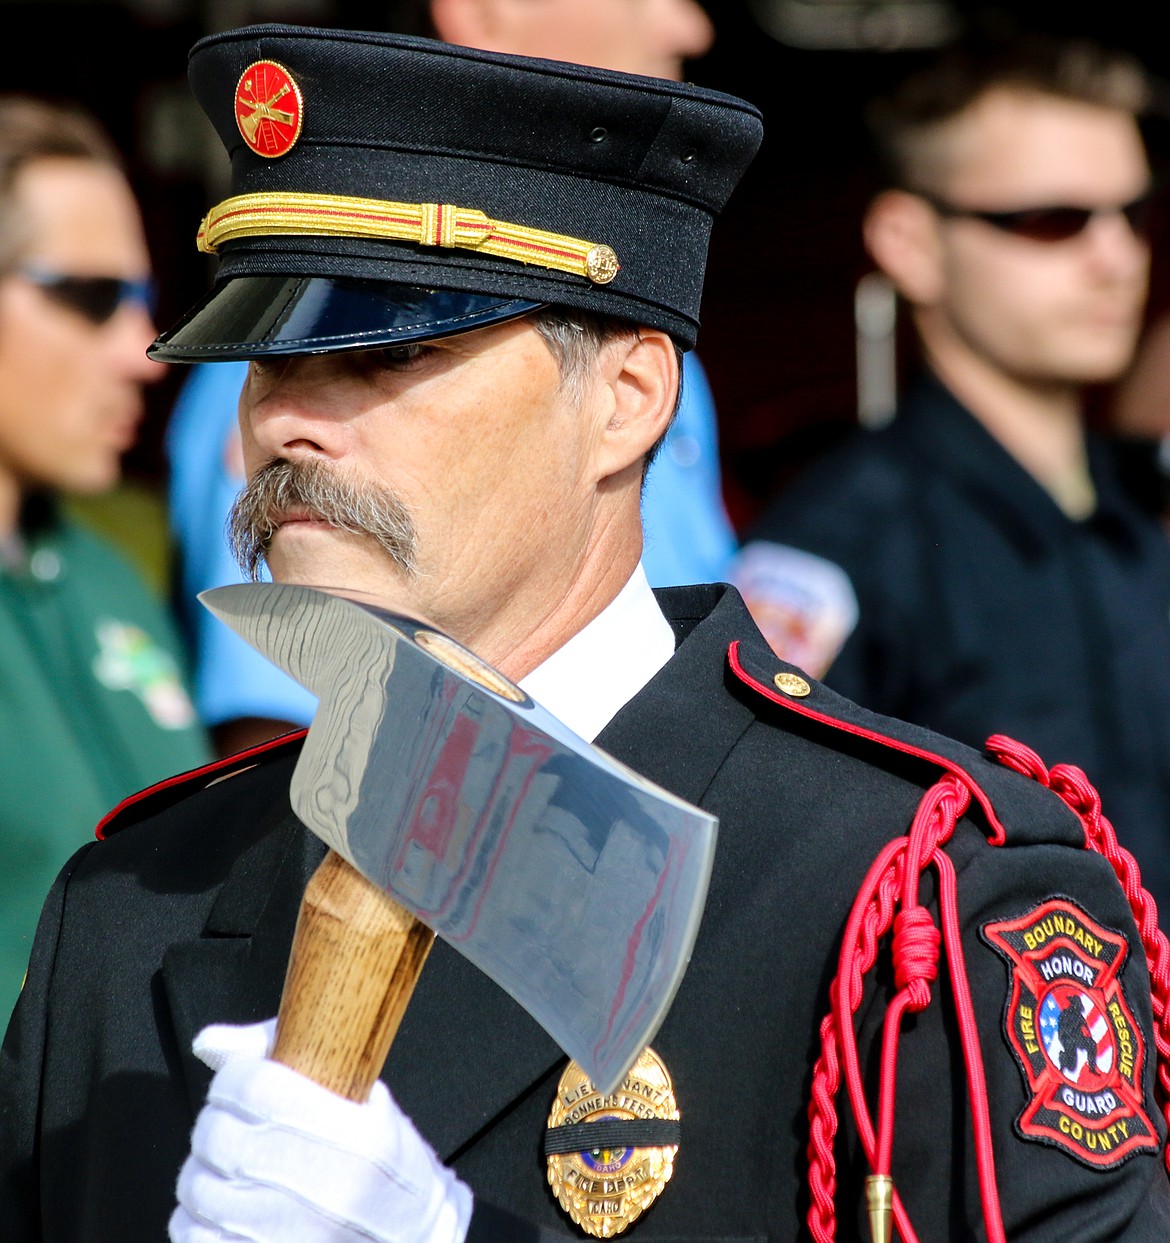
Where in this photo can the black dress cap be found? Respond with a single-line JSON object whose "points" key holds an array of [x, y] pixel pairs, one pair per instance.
{"points": [[387, 188]]}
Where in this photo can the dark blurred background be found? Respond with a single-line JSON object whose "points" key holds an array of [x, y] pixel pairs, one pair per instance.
{"points": [[778, 336]]}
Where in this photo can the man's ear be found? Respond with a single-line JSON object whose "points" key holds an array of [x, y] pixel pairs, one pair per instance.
{"points": [[902, 236], [642, 375]]}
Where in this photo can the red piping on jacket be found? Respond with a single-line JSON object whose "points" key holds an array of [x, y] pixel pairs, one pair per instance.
{"points": [[194, 774], [999, 833]]}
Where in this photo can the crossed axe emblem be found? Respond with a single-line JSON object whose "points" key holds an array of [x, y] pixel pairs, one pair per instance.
{"points": [[263, 110]]}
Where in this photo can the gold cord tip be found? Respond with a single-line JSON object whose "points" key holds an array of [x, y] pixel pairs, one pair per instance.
{"points": [[879, 1196]]}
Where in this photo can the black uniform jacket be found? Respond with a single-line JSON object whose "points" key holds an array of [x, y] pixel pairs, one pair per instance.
{"points": [[985, 609], [184, 914]]}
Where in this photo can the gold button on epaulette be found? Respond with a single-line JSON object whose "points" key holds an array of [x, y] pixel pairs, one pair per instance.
{"points": [[792, 684]]}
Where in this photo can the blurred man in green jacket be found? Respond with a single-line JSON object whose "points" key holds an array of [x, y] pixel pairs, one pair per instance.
{"points": [[93, 704]]}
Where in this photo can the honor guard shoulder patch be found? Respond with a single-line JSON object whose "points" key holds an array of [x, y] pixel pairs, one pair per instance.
{"points": [[611, 1154], [1072, 1031]]}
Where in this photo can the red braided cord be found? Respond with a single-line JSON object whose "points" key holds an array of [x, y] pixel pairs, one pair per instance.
{"points": [[822, 1113], [972, 1052], [916, 939], [1071, 784], [915, 953], [868, 921]]}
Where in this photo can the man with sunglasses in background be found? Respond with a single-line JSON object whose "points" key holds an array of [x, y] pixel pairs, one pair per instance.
{"points": [[976, 566], [92, 698]]}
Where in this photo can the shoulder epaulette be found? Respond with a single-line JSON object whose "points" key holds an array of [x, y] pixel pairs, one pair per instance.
{"points": [[167, 793], [790, 689]]}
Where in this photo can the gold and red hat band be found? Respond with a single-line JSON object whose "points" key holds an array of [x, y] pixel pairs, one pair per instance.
{"points": [[427, 224]]}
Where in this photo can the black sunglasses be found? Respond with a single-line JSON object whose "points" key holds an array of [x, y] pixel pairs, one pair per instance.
{"points": [[1050, 224], [94, 297]]}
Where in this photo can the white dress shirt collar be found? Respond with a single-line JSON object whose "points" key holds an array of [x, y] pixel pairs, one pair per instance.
{"points": [[602, 667]]}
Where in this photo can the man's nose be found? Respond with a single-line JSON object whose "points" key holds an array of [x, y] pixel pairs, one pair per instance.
{"points": [[691, 28], [1115, 245], [292, 407]]}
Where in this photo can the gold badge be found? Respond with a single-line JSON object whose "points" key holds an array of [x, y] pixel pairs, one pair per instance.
{"points": [[610, 1156]]}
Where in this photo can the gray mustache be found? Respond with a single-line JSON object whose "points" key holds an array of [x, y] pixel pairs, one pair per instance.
{"points": [[328, 494]]}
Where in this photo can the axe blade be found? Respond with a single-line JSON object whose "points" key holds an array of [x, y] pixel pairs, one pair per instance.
{"points": [[573, 882]]}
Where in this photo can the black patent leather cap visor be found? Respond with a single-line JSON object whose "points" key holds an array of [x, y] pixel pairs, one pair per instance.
{"points": [[258, 316]]}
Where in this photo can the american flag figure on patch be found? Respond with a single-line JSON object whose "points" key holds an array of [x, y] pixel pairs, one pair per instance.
{"points": [[1076, 1036]]}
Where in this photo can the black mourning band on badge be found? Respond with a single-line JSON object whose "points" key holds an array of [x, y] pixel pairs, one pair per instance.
{"points": [[612, 1133]]}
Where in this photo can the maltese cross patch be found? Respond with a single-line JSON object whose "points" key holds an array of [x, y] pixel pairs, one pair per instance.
{"points": [[1071, 1029]]}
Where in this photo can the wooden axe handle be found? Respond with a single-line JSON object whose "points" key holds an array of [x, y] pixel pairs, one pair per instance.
{"points": [[356, 955]]}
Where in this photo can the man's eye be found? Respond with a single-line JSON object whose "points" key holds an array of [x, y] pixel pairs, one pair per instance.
{"points": [[266, 370], [399, 357]]}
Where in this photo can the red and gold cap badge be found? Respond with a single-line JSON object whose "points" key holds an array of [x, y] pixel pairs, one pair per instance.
{"points": [[268, 108], [610, 1156], [1071, 1029]]}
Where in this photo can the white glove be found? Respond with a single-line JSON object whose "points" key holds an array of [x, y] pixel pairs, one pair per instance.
{"points": [[275, 1157]]}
